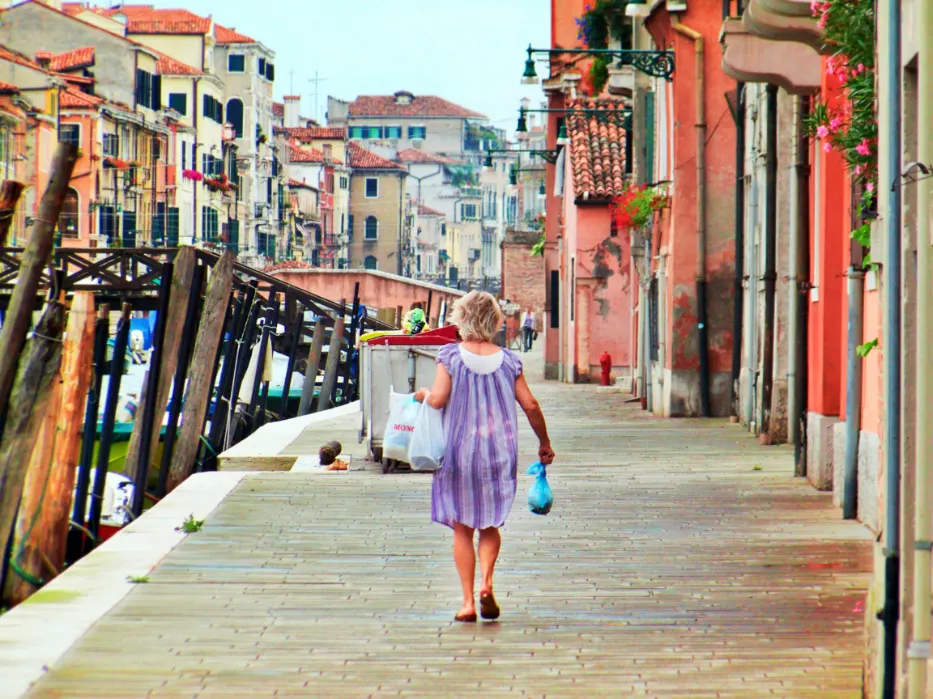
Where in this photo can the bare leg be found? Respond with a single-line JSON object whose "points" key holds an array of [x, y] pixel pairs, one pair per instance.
{"points": [[465, 558], [489, 543]]}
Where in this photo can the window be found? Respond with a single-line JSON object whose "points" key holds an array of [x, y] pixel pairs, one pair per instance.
{"points": [[184, 155], [443, 229], [156, 149], [236, 63], [211, 166], [350, 227], [418, 263], [148, 89], [417, 132], [393, 132], [213, 109], [370, 263], [344, 182], [68, 219], [70, 133], [356, 132], [343, 222], [372, 188], [372, 228], [210, 231], [235, 116], [179, 102], [330, 183], [270, 72], [467, 211], [111, 144], [371, 132], [262, 67]]}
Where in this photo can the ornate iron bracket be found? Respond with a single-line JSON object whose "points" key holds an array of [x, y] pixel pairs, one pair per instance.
{"points": [[657, 64]]}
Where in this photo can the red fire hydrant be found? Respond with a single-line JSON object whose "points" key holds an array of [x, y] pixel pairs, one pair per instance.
{"points": [[605, 361]]}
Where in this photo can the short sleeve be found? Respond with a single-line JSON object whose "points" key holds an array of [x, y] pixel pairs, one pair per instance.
{"points": [[448, 355], [515, 363]]}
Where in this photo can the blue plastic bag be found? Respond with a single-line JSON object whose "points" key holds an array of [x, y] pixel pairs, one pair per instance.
{"points": [[540, 497]]}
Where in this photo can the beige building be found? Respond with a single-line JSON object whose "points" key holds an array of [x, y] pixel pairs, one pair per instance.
{"points": [[377, 229]]}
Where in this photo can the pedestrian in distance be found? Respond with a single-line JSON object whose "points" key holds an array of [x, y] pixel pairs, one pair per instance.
{"points": [[528, 329], [477, 385]]}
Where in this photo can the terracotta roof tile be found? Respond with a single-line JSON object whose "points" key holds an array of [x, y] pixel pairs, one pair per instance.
{"points": [[296, 183], [419, 106], [72, 60], [225, 35], [306, 134], [297, 154], [362, 159], [413, 155], [166, 65], [73, 99], [597, 150], [428, 211], [278, 109], [146, 19], [7, 87]]}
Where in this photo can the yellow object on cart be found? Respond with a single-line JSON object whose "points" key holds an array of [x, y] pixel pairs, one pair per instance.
{"points": [[379, 333]]}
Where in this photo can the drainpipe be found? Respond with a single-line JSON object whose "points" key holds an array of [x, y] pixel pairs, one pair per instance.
{"points": [[770, 275], [855, 281], [649, 393], [892, 351], [752, 278], [739, 245], [919, 650], [800, 291], [793, 307], [700, 91]]}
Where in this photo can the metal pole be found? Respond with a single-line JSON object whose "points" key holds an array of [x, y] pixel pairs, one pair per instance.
{"points": [[892, 356], [855, 282], [737, 310], [110, 412], [152, 411]]}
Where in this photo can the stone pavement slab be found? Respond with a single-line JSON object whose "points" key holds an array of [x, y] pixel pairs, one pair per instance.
{"points": [[669, 566]]}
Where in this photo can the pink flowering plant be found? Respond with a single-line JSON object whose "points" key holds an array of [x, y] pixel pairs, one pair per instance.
{"points": [[851, 125]]}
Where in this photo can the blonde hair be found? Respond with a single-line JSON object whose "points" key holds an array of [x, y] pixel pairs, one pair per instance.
{"points": [[478, 316]]}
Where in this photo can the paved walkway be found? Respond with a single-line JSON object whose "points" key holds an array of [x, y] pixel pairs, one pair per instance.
{"points": [[680, 559]]}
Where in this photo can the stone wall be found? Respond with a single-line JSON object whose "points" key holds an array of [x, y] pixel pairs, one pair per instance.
{"points": [[523, 274]]}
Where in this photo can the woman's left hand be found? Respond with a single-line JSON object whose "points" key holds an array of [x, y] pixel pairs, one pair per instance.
{"points": [[421, 394]]}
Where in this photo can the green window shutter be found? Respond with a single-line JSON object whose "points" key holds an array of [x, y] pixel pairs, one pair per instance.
{"points": [[649, 140]]}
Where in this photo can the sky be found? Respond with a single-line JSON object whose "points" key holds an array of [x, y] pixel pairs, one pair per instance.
{"points": [[470, 52]]}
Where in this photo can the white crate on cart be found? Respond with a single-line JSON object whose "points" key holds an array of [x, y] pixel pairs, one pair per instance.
{"points": [[386, 366]]}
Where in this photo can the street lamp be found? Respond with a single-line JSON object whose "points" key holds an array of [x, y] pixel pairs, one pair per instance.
{"points": [[562, 138], [657, 64]]}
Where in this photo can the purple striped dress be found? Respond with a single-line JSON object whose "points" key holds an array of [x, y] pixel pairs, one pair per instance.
{"points": [[476, 484]]}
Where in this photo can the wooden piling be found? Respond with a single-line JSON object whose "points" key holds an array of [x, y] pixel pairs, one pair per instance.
{"points": [[241, 309], [329, 385], [162, 367], [34, 260], [10, 193], [181, 373], [76, 536], [297, 335], [313, 365], [267, 344], [198, 394], [30, 394], [42, 522], [255, 391]]}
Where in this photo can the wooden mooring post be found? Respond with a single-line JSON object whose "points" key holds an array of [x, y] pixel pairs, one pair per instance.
{"points": [[30, 395], [312, 367], [297, 336], [34, 260], [42, 521], [198, 395], [329, 386], [77, 542]]}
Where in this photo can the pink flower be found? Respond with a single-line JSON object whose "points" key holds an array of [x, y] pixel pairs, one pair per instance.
{"points": [[862, 148], [827, 147], [861, 68], [822, 132], [858, 169], [870, 186], [835, 123], [831, 65]]}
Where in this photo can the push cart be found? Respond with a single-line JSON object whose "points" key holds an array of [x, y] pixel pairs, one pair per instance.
{"points": [[388, 362]]}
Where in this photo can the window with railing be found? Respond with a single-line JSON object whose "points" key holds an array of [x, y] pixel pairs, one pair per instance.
{"points": [[210, 231]]}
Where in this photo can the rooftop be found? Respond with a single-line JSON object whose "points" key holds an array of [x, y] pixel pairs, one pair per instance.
{"points": [[413, 155], [297, 154], [362, 159], [428, 211], [597, 150], [72, 60], [227, 35], [304, 134], [406, 104], [74, 99]]}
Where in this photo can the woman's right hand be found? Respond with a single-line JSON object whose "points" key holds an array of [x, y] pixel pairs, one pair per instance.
{"points": [[545, 454]]}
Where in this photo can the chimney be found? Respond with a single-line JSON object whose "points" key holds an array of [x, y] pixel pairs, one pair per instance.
{"points": [[292, 107], [328, 151], [44, 59]]}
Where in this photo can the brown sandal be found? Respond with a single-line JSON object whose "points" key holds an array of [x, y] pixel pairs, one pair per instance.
{"points": [[488, 608], [466, 617]]}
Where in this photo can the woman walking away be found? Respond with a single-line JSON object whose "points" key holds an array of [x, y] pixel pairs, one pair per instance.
{"points": [[477, 385], [528, 329]]}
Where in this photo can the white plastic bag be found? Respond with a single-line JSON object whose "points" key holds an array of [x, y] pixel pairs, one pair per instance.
{"points": [[428, 442], [403, 411]]}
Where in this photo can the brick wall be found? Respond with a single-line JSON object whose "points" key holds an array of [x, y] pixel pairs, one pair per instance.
{"points": [[523, 279]]}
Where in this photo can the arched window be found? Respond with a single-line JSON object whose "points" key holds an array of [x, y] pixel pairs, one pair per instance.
{"points": [[69, 218], [372, 228], [235, 115], [370, 262]]}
